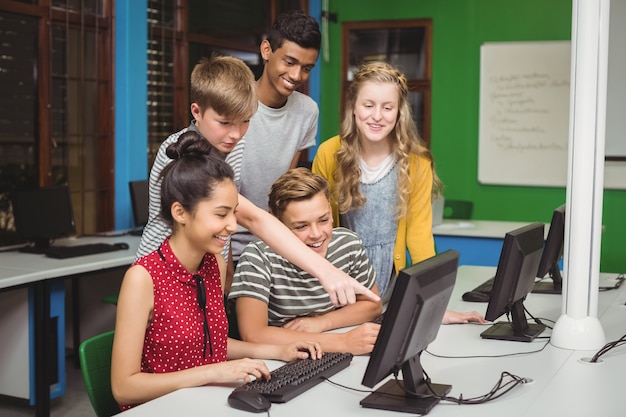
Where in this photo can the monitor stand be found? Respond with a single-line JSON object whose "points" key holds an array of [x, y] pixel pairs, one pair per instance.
{"points": [[411, 395], [39, 246], [504, 331], [518, 330], [546, 287], [392, 397], [551, 285]]}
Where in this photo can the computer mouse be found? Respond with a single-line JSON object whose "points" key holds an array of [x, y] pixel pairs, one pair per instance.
{"points": [[249, 400], [476, 297], [121, 245]]}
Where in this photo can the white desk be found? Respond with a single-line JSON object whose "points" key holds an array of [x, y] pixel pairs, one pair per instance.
{"points": [[558, 386], [36, 272], [479, 242]]}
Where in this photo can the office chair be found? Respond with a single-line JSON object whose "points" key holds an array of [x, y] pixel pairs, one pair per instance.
{"points": [[458, 209], [95, 364]]}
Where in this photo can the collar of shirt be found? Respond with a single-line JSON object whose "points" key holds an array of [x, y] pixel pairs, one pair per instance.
{"points": [[173, 265]]}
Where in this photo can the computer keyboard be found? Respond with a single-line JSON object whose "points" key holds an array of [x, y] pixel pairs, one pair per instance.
{"points": [[63, 252], [486, 287], [294, 378]]}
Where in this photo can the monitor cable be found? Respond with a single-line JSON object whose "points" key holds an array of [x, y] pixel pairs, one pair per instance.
{"points": [[618, 283], [504, 355], [606, 348], [506, 383]]}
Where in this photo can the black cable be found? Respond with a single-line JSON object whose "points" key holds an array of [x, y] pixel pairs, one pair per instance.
{"points": [[620, 279], [489, 356], [604, 349], [538, 320], [500, 388]]}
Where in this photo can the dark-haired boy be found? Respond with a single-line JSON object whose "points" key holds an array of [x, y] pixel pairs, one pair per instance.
{"points": [[285, 123]]}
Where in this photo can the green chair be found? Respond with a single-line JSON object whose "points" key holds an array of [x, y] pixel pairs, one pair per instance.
{"points": [[457, 209], [95, 364], [110, 299]]}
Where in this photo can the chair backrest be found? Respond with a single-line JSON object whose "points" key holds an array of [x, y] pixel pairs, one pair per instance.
{"points": [[139, 201], [95, 363], [458, 209]]}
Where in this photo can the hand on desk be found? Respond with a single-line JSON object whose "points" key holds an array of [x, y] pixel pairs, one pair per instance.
{"points": [[454, 317]]}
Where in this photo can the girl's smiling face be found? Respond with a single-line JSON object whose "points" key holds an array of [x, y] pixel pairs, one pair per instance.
{"points": [[376, 110]]}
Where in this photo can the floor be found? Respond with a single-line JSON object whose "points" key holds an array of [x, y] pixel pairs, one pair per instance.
{"points": [[75, 402]]}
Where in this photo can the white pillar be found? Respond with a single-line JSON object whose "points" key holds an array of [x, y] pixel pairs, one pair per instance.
{"points": [[579, 327]]}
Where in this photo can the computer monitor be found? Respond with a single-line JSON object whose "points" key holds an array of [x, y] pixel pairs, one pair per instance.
{"points": [[42, 215], [139, 201], [552, 254], [411, 322], [515, 277]]}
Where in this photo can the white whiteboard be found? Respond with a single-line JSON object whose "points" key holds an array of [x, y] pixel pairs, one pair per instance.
{"points": [[616, 91], [524, 113]]}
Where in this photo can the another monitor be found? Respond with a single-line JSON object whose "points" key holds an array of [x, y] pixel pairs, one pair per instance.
{"points": [[139, 201], [416, 308], [515, 277], [552, 254], [42, 215]]}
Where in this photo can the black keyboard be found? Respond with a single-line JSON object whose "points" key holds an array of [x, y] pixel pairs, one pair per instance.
{"points": [[294, 378], [486, 287], [63, 252]]}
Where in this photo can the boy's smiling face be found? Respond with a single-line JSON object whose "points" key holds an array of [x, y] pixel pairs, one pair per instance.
{"points": [[287, 68], [311, 221]]}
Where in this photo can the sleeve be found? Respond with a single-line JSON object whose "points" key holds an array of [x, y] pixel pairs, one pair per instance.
{"points": [[361, 268], [156, 230], [324, 165], [234, 159], [419, 235], [253, 275]]}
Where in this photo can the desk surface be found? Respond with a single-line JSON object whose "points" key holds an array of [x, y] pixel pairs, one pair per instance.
{"points": [[478, 228], [561, 384], [17, 268]]}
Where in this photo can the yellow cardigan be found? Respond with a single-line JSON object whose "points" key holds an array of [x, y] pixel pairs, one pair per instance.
{"points": [[415, 230]]}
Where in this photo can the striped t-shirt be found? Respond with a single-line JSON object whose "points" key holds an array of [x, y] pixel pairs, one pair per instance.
{"points": [[290, 292], [156, 230]]}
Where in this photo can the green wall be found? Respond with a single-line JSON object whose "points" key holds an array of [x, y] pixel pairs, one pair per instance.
{"points": [[459, 28]]}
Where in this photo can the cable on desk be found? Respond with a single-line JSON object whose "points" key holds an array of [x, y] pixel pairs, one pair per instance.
{"points": [[489, 356], [506, 383], [620, 278], [604, 349]]}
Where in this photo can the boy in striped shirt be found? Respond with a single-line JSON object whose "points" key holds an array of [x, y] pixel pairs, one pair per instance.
{"points": [[277, 301]]}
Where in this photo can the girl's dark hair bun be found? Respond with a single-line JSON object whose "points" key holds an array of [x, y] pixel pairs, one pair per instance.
{"points": [[189, 144]]}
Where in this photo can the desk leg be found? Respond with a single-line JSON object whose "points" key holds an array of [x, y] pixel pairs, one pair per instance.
{"points": [[42, 348], [75, 321]]}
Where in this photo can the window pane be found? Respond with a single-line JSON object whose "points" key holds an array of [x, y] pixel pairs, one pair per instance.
{"points": [[91, 7], [75, 153], [416, 100], [236, 20], [18, 118], [403, 48]]}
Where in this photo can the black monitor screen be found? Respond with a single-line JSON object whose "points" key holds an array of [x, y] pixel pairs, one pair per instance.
{"points": [[552, 254], [411, 322], [515, 277], [42, 215], [139, 200]]}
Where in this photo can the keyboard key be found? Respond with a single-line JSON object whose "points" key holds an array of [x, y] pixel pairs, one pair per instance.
{"points": [[294, 378]]}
